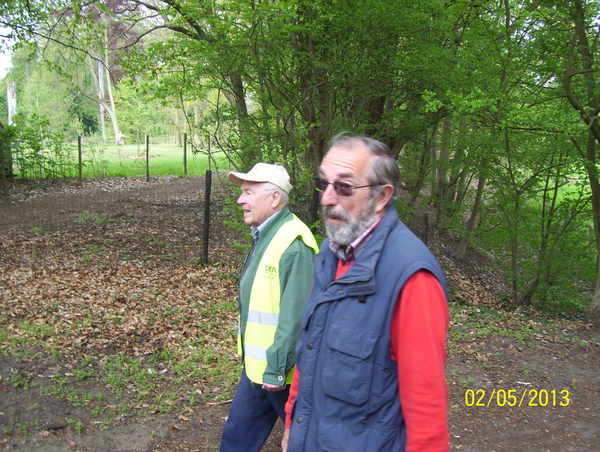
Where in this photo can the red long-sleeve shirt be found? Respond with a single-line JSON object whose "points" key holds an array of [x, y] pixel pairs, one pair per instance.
{"points": [[418, 344]]}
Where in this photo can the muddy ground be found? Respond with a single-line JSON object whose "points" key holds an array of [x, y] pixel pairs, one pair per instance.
{"points": [[68, 248]]}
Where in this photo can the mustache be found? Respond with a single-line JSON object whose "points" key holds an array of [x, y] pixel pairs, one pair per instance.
{"points": [[330, 212]]}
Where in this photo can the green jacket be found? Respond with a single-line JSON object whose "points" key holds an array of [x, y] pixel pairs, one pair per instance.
{"points": [[296, 271]]}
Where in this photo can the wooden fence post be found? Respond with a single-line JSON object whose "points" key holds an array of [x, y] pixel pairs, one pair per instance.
{"points": [[208, 185], [147, 158], [425, 227], [80, 160]]}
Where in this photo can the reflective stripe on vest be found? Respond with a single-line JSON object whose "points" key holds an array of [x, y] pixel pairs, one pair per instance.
{"points": [[263, 309]]}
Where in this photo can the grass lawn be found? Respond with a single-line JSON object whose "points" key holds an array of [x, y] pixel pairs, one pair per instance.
{"points": [[100, 161], [128, 161]]}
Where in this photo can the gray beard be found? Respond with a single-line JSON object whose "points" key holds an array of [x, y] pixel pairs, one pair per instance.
{"points": [[346, 234]]}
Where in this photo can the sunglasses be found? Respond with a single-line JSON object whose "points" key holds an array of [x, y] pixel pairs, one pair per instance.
{"points": [[341, 188]]}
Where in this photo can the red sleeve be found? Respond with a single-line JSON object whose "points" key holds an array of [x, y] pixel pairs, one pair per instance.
{"points": [[418, 334], [290, 402]]}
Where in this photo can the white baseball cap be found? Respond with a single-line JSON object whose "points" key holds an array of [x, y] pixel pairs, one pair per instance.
{"points": [[264, 172]]}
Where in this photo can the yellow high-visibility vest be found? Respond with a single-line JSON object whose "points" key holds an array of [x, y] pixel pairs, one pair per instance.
{"points": [[263, 310]]}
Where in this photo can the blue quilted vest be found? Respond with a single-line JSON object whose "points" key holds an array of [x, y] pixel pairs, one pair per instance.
{"points": [[348, 398]]}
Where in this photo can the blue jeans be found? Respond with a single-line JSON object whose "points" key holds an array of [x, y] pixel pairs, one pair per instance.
{"points": [[252, 416]]}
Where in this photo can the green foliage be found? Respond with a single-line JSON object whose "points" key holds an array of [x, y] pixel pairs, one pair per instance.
{"points": [[405, 212], [39, 152], [83, 374], [564, 300], [237, 224], [123, 371], [552, 250], [489, 106], [8, 134], [137, 115], [44, 92], [77, 424]]}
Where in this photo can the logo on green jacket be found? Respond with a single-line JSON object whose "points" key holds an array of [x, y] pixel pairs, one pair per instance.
{"points": [[270, 272]]}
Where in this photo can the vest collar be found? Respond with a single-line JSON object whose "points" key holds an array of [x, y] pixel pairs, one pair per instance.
{"points": [[268, 229], [362, 272]]}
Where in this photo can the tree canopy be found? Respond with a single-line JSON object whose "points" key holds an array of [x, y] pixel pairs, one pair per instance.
{"points": [[491, 107]]}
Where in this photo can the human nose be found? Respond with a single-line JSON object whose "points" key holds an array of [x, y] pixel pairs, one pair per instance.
{"points": [[329, 196], [240, 200]]}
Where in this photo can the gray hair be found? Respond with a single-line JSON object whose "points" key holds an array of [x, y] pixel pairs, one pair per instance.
{"points": [[383, 169], [270, 187]]}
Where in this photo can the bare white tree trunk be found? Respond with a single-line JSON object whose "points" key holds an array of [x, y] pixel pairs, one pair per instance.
{"points": [[119, 137], [100, 80], [11, 100], [107, 105]]}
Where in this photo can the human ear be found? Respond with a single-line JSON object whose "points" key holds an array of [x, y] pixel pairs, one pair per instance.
{"points": [[276, 194], [384, 196]]}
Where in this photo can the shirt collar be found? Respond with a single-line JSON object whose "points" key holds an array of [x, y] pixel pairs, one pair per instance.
{"points": [[256, 232], [350, 252]]}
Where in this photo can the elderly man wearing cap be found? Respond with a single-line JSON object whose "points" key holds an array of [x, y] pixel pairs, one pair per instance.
{"points": [[274, 289]]}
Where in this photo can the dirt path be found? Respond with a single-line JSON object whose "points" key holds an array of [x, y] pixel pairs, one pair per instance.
{"points": [[58, 400]]}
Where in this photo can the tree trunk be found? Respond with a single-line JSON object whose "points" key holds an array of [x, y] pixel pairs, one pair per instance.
{"points": [[593, 313], [514, 253], [119, 137], [375, 108], [197, 118], [442, 183], [238, 97], [433, 158], [588, 110], [444, 158], [178, 127], [464, 241], [317, 115], [594, 307], [423, 167], [459, 188], [100, 81], [11, 100]]}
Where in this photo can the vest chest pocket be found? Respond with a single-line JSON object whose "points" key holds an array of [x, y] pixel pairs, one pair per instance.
{"points": [[347, 369]]}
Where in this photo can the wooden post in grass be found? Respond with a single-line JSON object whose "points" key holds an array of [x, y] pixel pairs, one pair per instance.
{"points": [[80, 160], [425, 227], [208, 184], [147, 158], [185, 154]]}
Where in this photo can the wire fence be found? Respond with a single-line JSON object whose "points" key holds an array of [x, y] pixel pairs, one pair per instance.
{"points": [[89, 158], [164, 218]]}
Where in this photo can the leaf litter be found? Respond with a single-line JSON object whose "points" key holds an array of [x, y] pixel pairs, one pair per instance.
{"points": [[81, 302]]}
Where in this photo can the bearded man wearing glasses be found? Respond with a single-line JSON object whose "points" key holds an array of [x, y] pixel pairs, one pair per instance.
{"points": [[371, 352]]}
